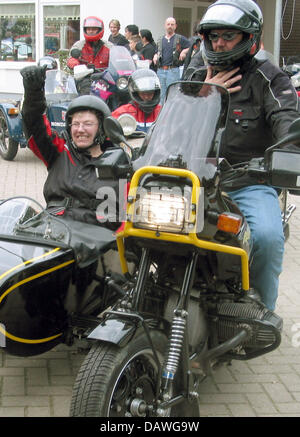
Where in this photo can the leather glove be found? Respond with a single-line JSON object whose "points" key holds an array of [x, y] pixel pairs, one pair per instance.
{"points": [[75, 53], [34, 77]]}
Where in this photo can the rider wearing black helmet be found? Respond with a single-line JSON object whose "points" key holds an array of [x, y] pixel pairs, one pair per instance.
{"points": [[243, 17], [144, 90], [262, 106], [73, 175]]}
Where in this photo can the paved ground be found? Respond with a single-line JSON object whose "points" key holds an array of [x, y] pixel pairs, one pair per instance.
{"points": [[267, 386]]}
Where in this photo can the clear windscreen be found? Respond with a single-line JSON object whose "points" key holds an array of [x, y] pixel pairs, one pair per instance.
{"points": [[59, 83], [188, 129], [22, 217], [121, 61]]}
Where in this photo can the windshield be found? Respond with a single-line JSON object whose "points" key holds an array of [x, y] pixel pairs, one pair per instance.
{"points": [[24, 218], [188, 129], [58, 84], [120, 61]]}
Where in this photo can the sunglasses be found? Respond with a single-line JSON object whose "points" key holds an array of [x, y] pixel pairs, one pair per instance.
{"points": [[226, 36]]}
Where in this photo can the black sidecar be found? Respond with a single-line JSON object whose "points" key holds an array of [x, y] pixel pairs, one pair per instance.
{"points": [[48, 272]]}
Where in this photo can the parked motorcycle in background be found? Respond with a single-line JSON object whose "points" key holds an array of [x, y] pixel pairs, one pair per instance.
{"points": [[60, 90], [110, 84]]}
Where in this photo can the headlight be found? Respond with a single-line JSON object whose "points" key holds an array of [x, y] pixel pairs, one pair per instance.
{"points": [[128, 123], [162, 211], [122, 83]]}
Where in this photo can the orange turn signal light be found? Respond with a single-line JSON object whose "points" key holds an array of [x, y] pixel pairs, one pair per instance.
{"points": [[13, 111], [229, 222]]}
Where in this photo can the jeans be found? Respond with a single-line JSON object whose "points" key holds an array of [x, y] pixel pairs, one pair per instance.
{"points": [[260, 206], [166, 77]]}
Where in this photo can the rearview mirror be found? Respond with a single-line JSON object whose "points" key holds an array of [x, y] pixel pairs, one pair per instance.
{"points": [[113, 130], [284, 168]]}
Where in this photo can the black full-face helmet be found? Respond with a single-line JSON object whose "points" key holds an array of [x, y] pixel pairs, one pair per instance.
{"points": [[144, 80], [93, 104], [242, 15]]}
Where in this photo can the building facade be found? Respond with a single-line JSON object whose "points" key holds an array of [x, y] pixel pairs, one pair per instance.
{"points": [[31, 29]]}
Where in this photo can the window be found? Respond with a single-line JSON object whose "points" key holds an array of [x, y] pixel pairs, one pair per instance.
{"points": [[61, 27], [17, 32], [183, 18]]}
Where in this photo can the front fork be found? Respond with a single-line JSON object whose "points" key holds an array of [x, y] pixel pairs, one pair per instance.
{"points": [[178, 347]]}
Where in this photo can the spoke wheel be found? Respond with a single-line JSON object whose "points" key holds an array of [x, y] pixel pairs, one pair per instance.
{"points": [[8, 146]]}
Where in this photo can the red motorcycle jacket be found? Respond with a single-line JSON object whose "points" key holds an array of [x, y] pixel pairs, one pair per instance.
{"points": [[144, 121], [98, 55]]}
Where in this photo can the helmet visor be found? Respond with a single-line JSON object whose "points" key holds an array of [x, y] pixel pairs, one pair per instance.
{"points": [[92, 22], [226, 16], [146, 84]]}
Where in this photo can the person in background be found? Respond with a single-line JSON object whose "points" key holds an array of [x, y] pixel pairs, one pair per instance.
{"points": [[149, 47], [263, 104], [171, 52], [131, 30], [92, 50], [144, 90], [115, 36], [134, 43]]}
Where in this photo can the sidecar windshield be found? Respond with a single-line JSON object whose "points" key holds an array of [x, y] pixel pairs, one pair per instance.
{"points": [[120, 61], [24, 218], [59, 85], [188, 129]]}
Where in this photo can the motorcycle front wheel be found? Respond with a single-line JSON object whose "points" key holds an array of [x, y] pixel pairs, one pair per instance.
{"points": [[120, 382]]}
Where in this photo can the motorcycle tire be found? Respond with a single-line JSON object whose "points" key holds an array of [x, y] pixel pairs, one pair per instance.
{"points": [[111, 377], [8, 146]]}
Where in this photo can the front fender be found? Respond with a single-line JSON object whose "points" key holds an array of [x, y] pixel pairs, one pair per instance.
{"points": [[115, 329]]}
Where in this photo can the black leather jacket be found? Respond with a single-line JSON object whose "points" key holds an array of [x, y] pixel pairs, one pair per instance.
{"points": [[72, 183], [260, 114]]}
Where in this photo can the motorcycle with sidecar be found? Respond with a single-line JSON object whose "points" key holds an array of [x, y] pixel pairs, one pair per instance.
{"points": [[183, 300], [60, 90], [189, 303]]}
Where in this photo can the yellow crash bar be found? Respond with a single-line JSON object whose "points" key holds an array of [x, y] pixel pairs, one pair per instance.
{"points": [[191, 238]]}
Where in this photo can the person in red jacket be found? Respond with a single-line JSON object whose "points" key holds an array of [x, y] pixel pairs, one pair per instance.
{"points": [[144, 90], [92, 50]]}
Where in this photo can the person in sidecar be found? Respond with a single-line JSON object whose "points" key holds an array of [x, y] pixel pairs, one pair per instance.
{"points": [[92, 50], [73, 175], [144, 90], [262, 106]]}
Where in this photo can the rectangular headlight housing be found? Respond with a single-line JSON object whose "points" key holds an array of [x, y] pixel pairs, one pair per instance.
{"points": [[162, 211]]}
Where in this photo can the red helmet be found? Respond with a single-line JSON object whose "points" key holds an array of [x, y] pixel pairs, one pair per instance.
{"points": [[93, 22]]}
